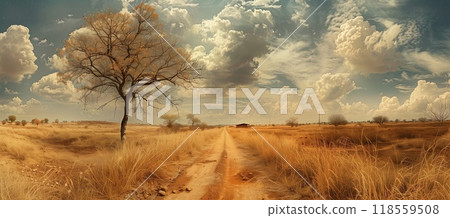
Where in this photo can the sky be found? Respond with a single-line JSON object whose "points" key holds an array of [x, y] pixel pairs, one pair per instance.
{"points": [[362, 58]]}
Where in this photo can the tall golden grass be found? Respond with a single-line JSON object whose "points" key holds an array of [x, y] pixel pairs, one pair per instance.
{"points": [[355, 171], [120, 173], [95, 163]]}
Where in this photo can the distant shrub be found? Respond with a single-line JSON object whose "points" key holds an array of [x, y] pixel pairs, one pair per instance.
{"points": [[24, 122], [293, 121], [12, 118], [423, 119], [380, 120], [36, 121], [18, 123], [337, 119]]}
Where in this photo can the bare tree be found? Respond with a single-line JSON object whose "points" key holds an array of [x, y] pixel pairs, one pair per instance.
{"points": [[337, 119], [24, 122], [293, 121], [380, 120], [115, 51], [440, 111], [194, 120]]}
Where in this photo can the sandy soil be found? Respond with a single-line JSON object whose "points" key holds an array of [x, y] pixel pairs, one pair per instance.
{"points": [[227, 171]]}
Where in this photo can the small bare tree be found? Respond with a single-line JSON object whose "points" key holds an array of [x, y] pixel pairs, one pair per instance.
{"points": [[380, 120], [440, 111], [337, 119], [115, 51], [194, 120], [293, 121]]}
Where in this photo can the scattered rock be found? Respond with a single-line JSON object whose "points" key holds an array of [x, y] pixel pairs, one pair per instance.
{"points": [[174, 191], [164, 188], [161, 193], [188, 189]]}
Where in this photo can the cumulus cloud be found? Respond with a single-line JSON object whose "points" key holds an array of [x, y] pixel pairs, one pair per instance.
{"points": [[56, 62], [52, 87], [367, 50], [11, 92], [236, 36], [16, 105], [331, 87], [16, 56], [421, 97]]}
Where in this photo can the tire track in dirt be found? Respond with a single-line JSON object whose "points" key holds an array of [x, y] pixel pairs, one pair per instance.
{"points": [[227, 171]]}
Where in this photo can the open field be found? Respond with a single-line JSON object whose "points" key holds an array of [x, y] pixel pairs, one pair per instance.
{"points": [[356, 161]]}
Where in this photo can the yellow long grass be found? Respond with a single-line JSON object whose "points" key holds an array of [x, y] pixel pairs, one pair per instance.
{"points": [[351, 173]]}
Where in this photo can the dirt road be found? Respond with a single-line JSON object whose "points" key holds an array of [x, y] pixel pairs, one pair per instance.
{"points": [[227, 171]]}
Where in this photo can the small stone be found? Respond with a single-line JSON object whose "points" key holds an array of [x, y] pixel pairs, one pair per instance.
{"points": [[164, 188], [188, 189], [174, 191], [161, 193]]}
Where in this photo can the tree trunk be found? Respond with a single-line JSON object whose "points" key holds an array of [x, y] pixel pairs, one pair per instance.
{"points": [[123, 126]]}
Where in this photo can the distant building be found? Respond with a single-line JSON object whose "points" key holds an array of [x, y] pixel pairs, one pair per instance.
{"points": [[242, 125]]}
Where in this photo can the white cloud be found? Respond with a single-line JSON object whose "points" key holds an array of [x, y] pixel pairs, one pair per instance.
{"points": [[11, 92], [16, 56], [422, 95], [179, 3], [332, 87], [262, 3], [231, 41], [52, 87], [403, 88], [16, 105], [56, 62], [42, 42], [367, 50], [436, 64]]}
